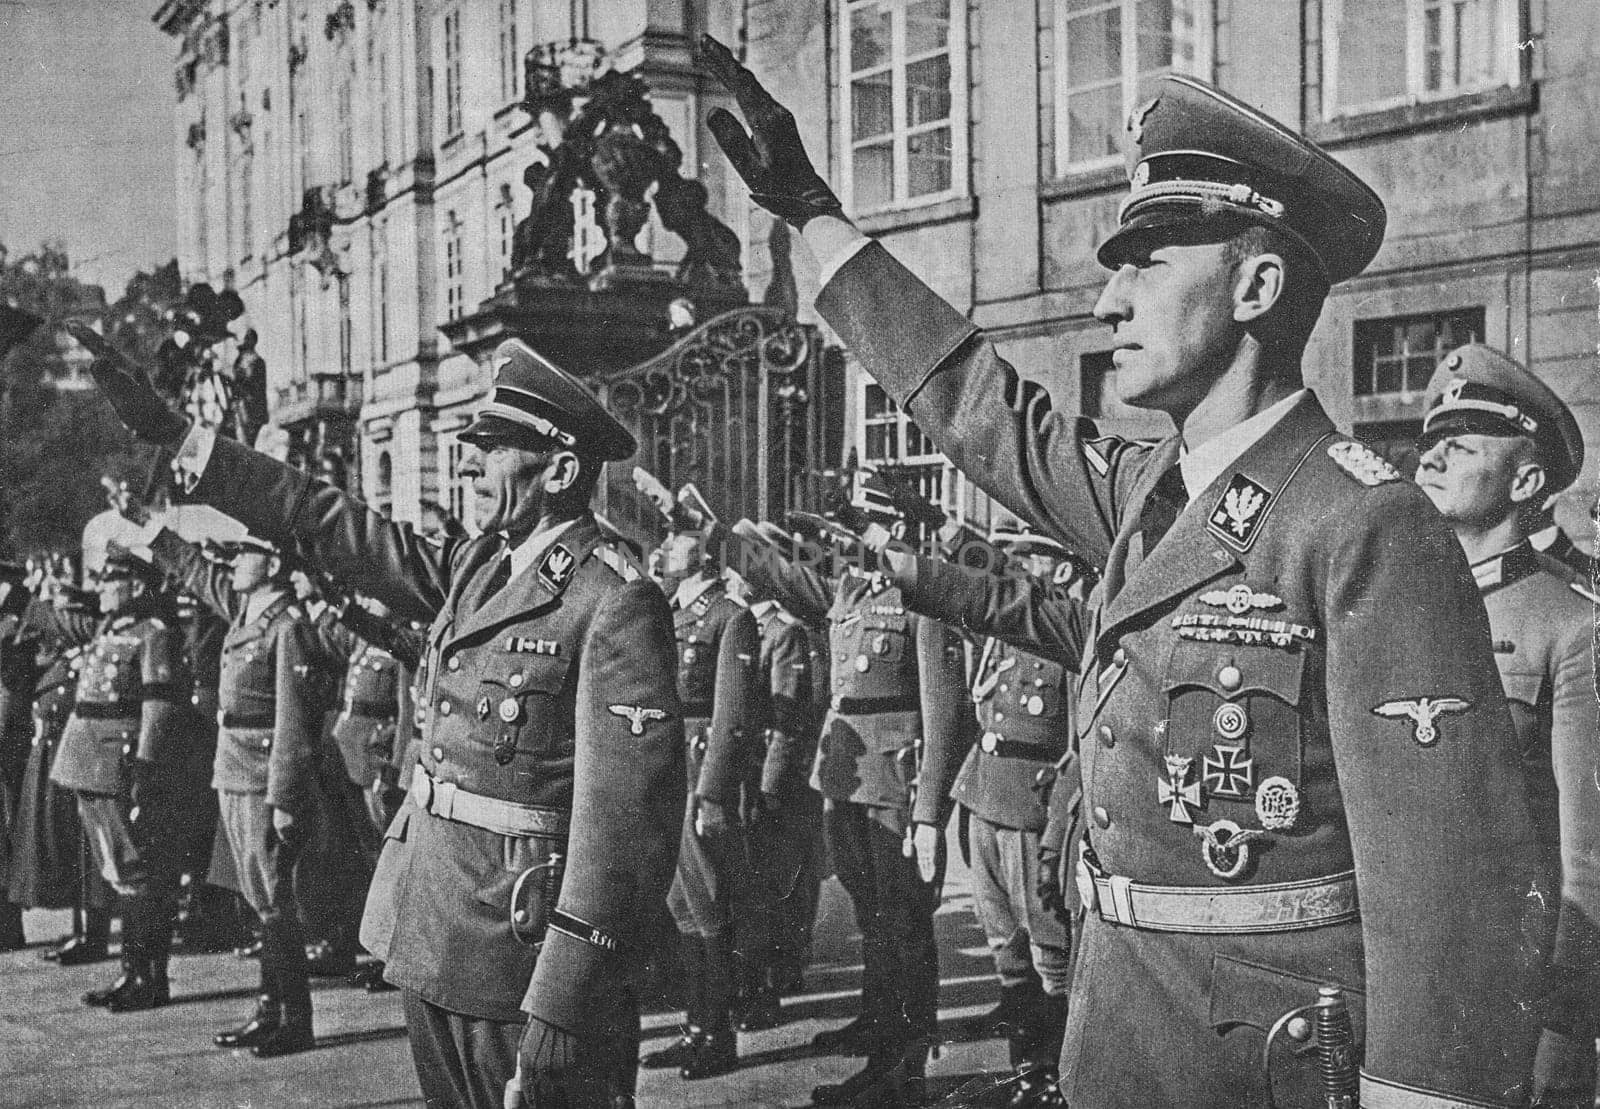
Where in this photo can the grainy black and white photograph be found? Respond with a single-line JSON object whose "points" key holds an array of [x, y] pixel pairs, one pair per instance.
{"points": [[898, 554]]}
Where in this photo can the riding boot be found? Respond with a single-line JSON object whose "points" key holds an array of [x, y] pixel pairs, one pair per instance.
{"points": [[88, 942], [692, 952], [717, 1051], [293, 1033], [894, 1078], [266, 1019]]}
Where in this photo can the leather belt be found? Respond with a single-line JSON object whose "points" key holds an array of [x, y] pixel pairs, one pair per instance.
{"points": [[994, 744], [1279, 907], [373, 710], [449, 802], [248, 720], [870, 706], [108, 710]]}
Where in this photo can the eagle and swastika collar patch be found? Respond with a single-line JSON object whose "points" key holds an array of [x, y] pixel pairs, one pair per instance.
{"points": [[1236, 517], [556, 568]]}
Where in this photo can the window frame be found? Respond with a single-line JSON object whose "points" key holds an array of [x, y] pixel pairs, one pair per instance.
{"points": [[1510, 20], [455, 285], [1204, 67], [900, 133], [1364, 362], [506, 42], [952, 483], [450, 105]]}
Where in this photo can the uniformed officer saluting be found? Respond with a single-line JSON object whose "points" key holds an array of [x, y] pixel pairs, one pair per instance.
{"points": [[123, 752], [1291, 695], [270, 703], [714, 894], [543, 818], [889, 749], [1496, 443]]}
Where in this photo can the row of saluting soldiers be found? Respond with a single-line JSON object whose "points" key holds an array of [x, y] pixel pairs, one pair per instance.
{"points": [[1334, 736]]}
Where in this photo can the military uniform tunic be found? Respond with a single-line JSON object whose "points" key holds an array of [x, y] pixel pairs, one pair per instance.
{"points": [[1542, 617], [47, 835], [551, 700], [1292, 691]]}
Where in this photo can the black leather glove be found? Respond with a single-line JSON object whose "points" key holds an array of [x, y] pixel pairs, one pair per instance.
{"points": [[138, 405], [558, 1070], [770, 157]]}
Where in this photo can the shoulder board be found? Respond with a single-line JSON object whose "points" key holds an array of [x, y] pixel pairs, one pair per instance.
{"points": [[620, 564], [1362, 463], [740, 601]]}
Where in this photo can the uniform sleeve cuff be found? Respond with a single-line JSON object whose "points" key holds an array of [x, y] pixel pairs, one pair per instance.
{"points": [[1376, 1093], [194, 455], [834, 264]]}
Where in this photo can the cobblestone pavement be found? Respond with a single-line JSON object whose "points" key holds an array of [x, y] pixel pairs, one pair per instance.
{"points": [[54, 1051]]}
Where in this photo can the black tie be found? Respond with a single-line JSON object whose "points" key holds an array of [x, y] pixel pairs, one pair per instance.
{"points": [[1168, 497]]}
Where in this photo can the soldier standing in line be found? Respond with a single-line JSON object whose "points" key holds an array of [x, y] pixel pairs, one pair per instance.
{"points": [[543, 817], [270, 713], [124, 752], [1280, 615], [1496, 443], [885, 760], [713, 899], [18, 673], [1022, 694]]}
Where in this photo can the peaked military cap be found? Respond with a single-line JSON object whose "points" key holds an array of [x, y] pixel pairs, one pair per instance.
{"points": [[871, 494], [15, 327], [534, 400], [247, 544], [1019, 539], [1478, 390], [1196, 154]]}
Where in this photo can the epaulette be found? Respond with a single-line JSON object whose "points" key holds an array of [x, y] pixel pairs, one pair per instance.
{"points": [[1362, 463], [619, 563]]}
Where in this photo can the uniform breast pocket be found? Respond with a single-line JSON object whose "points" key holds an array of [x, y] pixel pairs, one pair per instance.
{"points": [[525, 709], [1239, 711], [886, 640]]}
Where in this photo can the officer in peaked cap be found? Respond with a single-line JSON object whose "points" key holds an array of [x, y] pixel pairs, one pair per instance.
{"points": [[1496, 443], [15, 327], [1287, 647], [540, 832], [123, 752]]}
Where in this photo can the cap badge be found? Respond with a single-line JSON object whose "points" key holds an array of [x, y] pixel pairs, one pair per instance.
{"points": [[1141, 175], [1176, 791], [1452, 392], [556, 567], [1137, 116], [1423, 712], [637, 716], [1226, 847]]}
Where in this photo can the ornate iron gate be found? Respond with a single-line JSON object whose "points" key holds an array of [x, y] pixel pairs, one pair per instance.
{"points": [[749, 406]]}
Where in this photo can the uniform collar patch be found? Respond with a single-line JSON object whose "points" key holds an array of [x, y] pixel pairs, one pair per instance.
{"points": [[1237, 516], [556, 568]]}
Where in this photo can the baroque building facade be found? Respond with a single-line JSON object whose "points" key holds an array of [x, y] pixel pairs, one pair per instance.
{"points": [[981, 142]]}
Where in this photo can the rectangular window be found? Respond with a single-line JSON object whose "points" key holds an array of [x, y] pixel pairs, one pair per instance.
{"points": [[1383, 53], [507, 225], [381, 295], [247, 189], [454, 293], [904, 100], [381, 106], [458, 489], [890, 437], [346, 328], [1109, 56], [510, 61], [347, 142], [452, 73], [1397, 356]]}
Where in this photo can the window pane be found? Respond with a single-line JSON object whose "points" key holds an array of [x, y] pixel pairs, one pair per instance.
{"points": [[1372, 36], [1432, 49], [871, 106], [1094, 48], [876, 402], [928, 162], [928, 91], [881, 441], [1094, 123], [927, 26], [1483, 59], [1155, 31], [873, 180], [917, 443], [869, 37]]}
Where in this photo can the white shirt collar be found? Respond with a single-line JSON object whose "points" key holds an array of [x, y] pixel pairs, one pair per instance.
{"points": [[530, 549], [692, 589], [1201, 466], [761, 608]]}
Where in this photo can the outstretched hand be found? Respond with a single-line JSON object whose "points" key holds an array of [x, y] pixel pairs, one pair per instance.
{"points": [[770, 156], [124, 384]]}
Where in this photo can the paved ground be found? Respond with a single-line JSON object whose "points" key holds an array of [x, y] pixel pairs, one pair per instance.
{"points": [[56, 1052]]}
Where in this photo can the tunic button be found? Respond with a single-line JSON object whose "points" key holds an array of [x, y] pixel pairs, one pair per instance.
{"points": [[515, 679], [862, 662], [1108, 738], [837, 701], [444, 708], [1120, 657], [1229, 677], [520, 916], [1102, 819], [1005, 689], [438, 754], [999, 716], [454, 663]]}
